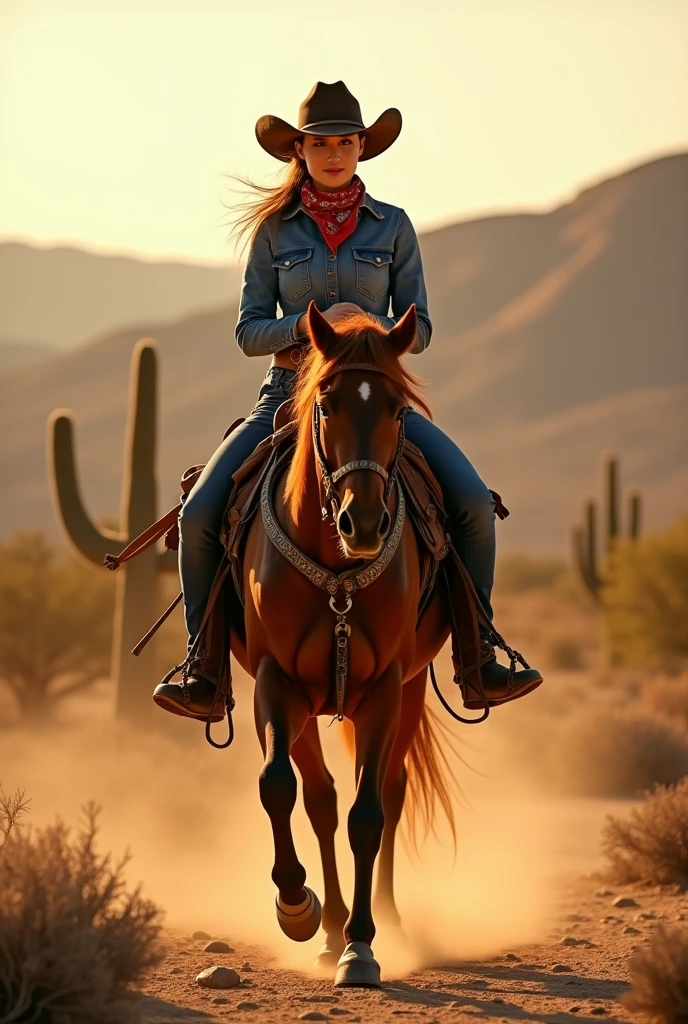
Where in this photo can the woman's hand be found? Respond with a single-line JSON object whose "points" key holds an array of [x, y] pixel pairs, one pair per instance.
{"points": [[338, 311]]}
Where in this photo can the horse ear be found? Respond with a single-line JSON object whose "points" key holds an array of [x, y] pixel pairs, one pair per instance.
{"points": [[321, 331], [403, 334]]}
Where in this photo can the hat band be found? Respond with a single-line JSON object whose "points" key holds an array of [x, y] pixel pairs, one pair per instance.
{"points": [[357, 125]]}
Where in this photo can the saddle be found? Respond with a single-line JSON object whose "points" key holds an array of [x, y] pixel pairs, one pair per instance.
{"points": [[224, 610]]}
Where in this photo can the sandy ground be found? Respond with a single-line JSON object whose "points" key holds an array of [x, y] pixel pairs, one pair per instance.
{"points": [[576, 973]]}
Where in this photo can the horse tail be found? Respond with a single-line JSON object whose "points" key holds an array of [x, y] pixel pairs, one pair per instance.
{"points": [[431, 781]]}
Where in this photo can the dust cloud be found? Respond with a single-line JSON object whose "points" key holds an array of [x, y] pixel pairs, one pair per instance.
{"points": [[202, 846]]}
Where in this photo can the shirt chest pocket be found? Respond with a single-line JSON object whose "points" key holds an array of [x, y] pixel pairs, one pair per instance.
{"points": [[293, 268], [372, 271]]}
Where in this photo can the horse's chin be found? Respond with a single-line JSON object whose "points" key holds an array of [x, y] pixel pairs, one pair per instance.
{"points": [[356, 554]]}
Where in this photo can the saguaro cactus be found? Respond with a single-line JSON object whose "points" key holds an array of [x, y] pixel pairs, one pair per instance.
{"points": [[137, 586], [585, 541]]}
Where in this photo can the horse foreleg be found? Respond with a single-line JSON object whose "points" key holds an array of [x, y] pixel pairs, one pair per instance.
{"points": [[393, 795], [376, 721], [320, 801], [281, 716]]}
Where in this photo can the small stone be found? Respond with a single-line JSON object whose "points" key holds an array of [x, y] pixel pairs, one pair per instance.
{"points": [[649, 916], [604, 892], [599, 1011], [217, 947], [576, 917], [175, 970], [497, 999], [568, 940], [313, 1015], [246, 967], [631, 931], [610, 919], [218, 977], [573, 1009], [248, 1006], [624, 901], [201, 935], [512, 957], [219, 1001], [561, 969]]}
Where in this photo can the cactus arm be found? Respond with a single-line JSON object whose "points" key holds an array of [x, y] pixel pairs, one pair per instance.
{"points": [[89, 541], [635, 509], [585, 550], [612, 486]]}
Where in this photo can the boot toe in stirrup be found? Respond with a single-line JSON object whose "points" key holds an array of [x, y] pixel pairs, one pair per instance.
{"points": [[495, 680], [200, 693]]}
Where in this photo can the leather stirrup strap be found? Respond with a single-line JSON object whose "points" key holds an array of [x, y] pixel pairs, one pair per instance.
{"points": [[144, 540]]}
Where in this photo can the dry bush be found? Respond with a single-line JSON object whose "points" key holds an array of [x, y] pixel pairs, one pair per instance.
{"points": [[562, 651], [645, 599], [608, 751], [12, 809], [660, 978], [669, 696], [71, 936], [652, 845]]}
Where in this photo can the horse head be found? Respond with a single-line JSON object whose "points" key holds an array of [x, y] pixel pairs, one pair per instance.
{"points": [[358, 394]]}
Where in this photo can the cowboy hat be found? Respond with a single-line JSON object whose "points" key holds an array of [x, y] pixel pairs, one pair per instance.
{"points": [[329, 109]]}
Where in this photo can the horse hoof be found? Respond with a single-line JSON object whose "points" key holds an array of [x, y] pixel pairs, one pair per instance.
{"points": [[302, 922], [357, 967]]}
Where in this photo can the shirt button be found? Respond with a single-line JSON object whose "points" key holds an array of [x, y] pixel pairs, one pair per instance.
{"points": [[331, 256], [378, 259], [287, 263], [330, 273], [333, 294]]}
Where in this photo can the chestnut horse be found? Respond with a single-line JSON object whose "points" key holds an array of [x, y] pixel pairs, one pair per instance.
{"points": [[350, 399]]}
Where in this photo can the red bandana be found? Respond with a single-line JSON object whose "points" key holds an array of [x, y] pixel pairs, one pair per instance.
{"points": [[335, 213]]}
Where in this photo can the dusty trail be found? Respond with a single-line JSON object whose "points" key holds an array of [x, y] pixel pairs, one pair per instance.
{"points": [[550, 982]]}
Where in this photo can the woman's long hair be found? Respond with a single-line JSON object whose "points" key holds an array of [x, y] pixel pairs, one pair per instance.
{"points": [[262, 201]]}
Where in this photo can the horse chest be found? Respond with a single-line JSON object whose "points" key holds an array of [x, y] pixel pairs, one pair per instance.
{"points": [[299, 632]]}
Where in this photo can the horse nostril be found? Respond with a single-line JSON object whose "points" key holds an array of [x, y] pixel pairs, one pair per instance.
{"points": [[385, 524], [346, 527]]}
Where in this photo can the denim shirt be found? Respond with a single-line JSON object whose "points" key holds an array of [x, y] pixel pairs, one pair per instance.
{"points": [[291, 264]]}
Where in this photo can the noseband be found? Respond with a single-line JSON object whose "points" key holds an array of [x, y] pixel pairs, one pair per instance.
{"points": [[329, 479]]}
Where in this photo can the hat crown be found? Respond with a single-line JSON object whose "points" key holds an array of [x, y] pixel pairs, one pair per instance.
{"points": [[329, 102]]}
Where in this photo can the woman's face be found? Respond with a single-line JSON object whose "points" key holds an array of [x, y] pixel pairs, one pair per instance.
{"points": [[331, 159]]}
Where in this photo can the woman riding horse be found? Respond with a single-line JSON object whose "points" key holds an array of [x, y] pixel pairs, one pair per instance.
{"points": [[297, 232]]}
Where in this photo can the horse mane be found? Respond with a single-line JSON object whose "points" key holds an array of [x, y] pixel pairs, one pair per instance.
{"points": [[361, 339]]}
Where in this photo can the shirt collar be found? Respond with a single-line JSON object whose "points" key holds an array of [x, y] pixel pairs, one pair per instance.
{"points": [[367, 201]]}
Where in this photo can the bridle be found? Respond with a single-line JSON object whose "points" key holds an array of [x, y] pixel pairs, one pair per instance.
{"points": [[328, 478]]}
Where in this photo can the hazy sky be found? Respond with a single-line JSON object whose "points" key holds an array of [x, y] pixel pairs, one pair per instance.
{"points": [[119, 119]]}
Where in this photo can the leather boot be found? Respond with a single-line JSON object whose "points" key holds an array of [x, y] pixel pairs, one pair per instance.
{"points": [[499, 683], [192, 699]]}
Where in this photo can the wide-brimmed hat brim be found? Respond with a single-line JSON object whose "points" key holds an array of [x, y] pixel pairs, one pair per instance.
{"points": [[277, 137]]}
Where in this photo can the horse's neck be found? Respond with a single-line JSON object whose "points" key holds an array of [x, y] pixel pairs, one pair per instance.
{"points": [[313, 535]]}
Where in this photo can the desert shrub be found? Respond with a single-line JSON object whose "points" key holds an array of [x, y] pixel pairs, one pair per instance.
{"points": [[615, 752], [645, 599], [562, 651], [652, 845], [669, 696], [55, 624], [525, 572], [660, 978], [71, 936]]}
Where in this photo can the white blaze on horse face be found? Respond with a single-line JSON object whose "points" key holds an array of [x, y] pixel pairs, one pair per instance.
{"points": [[364, 390]]}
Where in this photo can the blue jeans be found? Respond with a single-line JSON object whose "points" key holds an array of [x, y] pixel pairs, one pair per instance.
{"points": [[467, 500]]}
